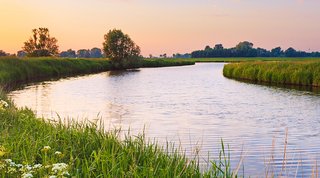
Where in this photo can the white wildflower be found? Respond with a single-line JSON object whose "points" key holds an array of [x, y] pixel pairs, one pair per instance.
{"points": [[59, 167], [27, 175], [3, 104], [37, 166], [8, 161], [57, 153], [52, 176], [66, 173], [19, 165], [46, 148], [28, 167]]}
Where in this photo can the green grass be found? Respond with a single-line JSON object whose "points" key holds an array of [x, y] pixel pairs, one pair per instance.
{"points": [[237, 59], [301, 73], [166, 62], [16, 71], [42, 148], [87, 150]]}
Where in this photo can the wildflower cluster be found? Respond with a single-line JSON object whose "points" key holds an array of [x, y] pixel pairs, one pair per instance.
{"points": [[3, 105], [11, 169]]}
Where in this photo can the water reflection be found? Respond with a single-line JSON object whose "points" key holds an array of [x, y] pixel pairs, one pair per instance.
{"points": [[122, 73], [194, 106]]}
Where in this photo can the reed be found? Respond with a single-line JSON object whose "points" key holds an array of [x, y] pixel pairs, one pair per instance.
{"points": [[166, 62], [15, 71], [301, 73], [31, 146]]}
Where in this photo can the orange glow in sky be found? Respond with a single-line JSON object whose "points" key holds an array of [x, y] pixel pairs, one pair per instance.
{"points": [[164, 26]]}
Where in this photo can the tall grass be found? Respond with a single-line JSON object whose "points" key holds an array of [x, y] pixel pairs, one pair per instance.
{"points": [[240, 59], [31, 146], [166, 62], [302, 73], [15, 71], [34, 146]]}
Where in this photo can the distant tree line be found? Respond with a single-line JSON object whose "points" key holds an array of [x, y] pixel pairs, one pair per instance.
{"points": [[82, 53], [246, 49]]}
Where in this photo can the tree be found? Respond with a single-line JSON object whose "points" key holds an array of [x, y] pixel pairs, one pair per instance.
{"points": [[21, 53], [276, 52], [95, 53], [83, 53], [218, 47], [41, 44], [207, 48], [121, 50], [290, 52], [2, 53], [69, 53]]}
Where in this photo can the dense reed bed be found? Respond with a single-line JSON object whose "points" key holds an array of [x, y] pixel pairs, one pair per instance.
{"points": [[166, 62], [239, 59], [15, 71], [301, 73]]}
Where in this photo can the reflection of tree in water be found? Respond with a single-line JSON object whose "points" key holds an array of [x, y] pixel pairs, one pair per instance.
{"points": [[120, 73]]}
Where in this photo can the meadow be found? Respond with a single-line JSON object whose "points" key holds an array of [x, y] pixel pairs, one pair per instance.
{"points": [[300, 73]]}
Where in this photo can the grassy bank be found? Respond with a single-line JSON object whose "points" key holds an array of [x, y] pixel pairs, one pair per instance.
{"points": [[166, 62], [35, 147], [238, 59], [16, 71], [32, 146], [302, 73]]}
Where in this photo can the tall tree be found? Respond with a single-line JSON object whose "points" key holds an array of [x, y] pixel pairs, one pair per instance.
{"points": [[41, 44], [121, 50]]}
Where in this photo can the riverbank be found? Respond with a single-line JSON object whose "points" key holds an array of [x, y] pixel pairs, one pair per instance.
{"points": [[300, 73], [31, 146], [239, 59], [15, 71]]}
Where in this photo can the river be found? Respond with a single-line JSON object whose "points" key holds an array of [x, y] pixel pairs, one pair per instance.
{"points": [[195, 107]]}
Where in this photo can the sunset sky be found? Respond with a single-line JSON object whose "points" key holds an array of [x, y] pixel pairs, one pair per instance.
{"points": [[164, 26]]}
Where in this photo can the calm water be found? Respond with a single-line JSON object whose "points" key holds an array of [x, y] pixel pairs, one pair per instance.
{"points": [[194, 106]]}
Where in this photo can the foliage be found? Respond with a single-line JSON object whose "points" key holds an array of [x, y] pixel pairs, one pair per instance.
{"points": [[302, 73], [41, 44], [95, 53], [246, 49], [39, 148], [15, 70], [166, 62], [83, 53], [68, 54], [121, 50], [2, 53]]}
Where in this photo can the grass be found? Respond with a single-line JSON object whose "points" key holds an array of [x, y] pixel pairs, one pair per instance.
{"points": [[300, 73], [29, 145], [166, 62], [36, 147], [15, 71], [237, 59]]}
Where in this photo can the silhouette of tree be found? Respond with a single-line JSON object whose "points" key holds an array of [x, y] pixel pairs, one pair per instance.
{"points": [[41, 44]]}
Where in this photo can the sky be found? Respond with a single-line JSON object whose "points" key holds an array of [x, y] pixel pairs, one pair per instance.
{"points": [[164, 26]]}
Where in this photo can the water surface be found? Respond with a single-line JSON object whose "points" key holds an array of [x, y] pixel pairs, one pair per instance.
{"points": [[194, 106]]}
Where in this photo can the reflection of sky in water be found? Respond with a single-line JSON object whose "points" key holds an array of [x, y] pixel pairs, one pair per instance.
{"points": [[192, 105]]}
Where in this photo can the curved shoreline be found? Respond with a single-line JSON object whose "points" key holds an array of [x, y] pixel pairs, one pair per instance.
{"points": [[300, 73]]}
